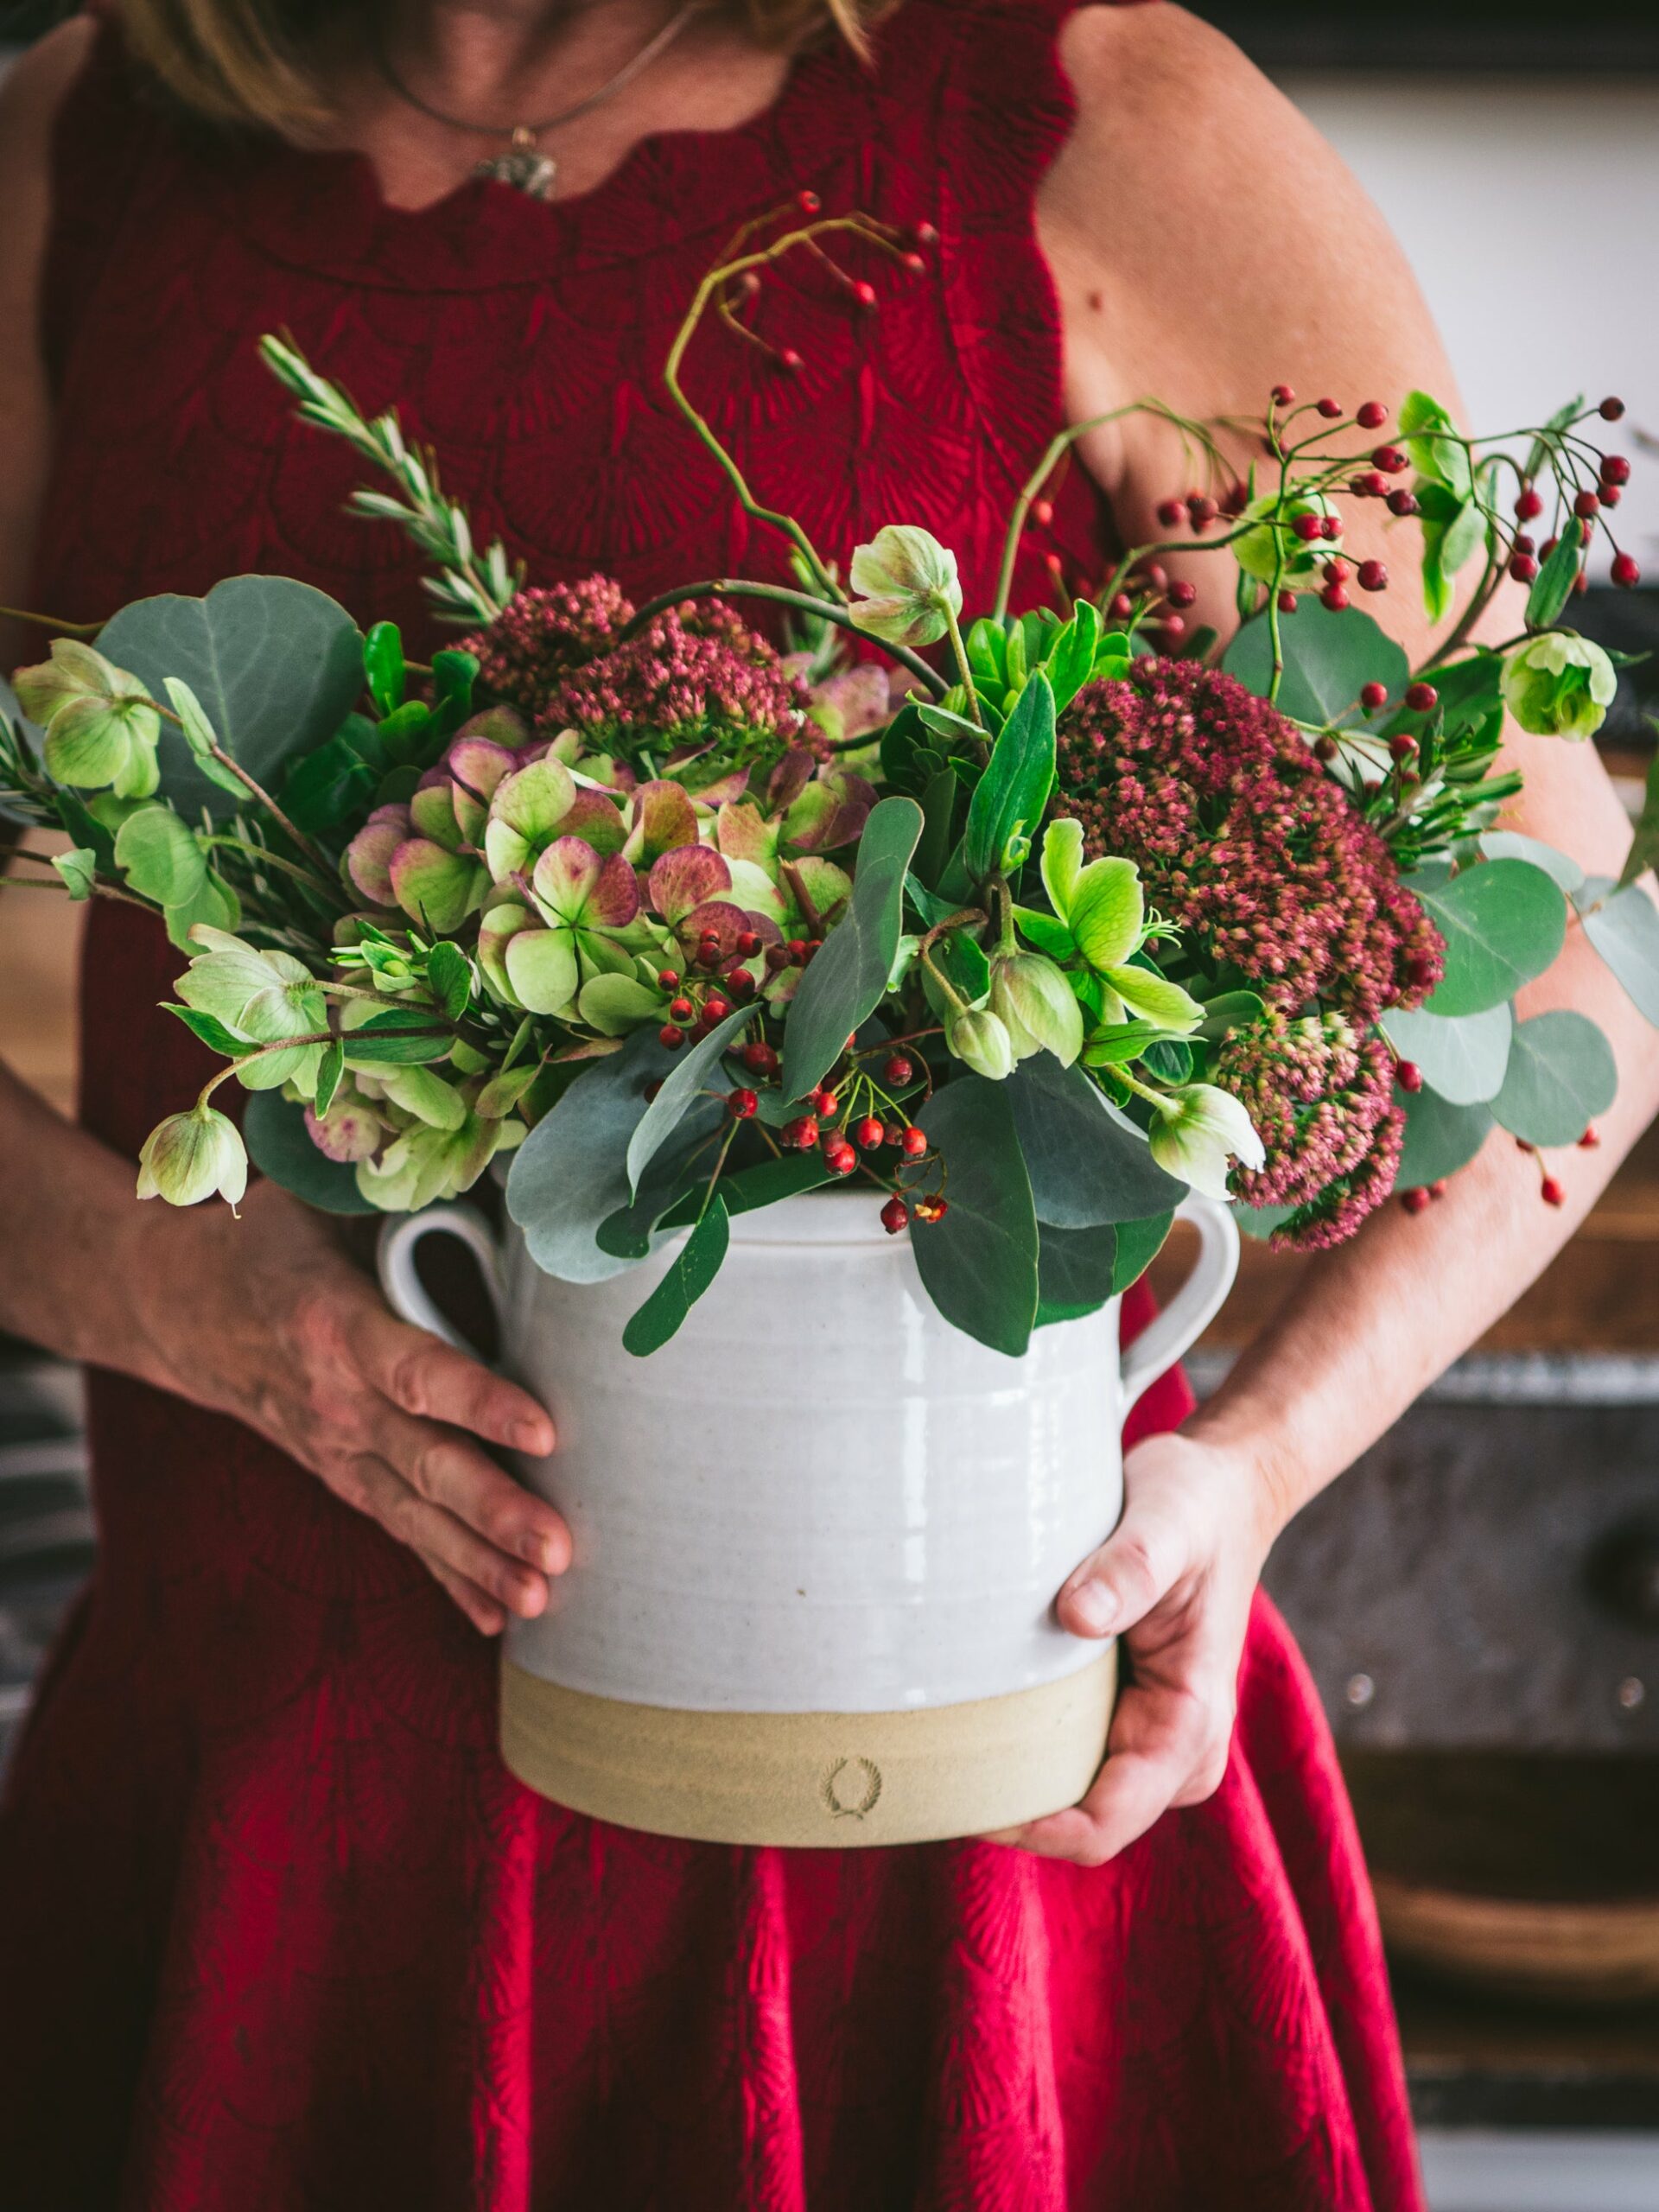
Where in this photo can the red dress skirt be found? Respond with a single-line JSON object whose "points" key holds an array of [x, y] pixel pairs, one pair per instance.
{"points": [[277, 1931]]}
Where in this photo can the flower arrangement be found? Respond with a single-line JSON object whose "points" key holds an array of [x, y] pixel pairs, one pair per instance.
{"points": [[1024, 939]]}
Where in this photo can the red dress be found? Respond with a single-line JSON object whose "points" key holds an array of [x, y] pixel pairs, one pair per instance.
{"points": [[277, 1931]]}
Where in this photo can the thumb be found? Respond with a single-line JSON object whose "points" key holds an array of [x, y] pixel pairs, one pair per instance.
{"points": [[1140, 1562]]}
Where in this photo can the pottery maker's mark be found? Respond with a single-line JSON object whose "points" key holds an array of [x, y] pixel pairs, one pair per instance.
{"points": [[850, 1789]]}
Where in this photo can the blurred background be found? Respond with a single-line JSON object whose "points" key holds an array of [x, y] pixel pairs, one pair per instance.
{"points": [[1479, 1599]]}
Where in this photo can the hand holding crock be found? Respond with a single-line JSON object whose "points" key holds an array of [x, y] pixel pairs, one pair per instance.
{"points": [[265, 1317], [1174, 1581]]}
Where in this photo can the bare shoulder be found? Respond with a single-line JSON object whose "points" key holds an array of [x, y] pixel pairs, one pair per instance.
{"points": [[30, 96], [1216, 225]]}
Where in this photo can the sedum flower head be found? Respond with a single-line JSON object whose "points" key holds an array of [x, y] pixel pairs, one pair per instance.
{"points": [[1242, 841], [908, 591], [540, 635], [1560, 685], [189, 1156]]}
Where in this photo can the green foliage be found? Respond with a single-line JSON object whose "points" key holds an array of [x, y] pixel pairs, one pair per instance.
{"points": [[1560, 1076], [1139, 1243], [382, 666], [1504, 923], [1075, 1268], [1009, 798], [1510, 844], [1430, 437], [1329, 658], [401, 1037], [1086, 1165], [1462, 1057], [1644, 845], [693, 1066], [691, 1271], [847, 980], [450, 973], [273, 664], [159, 857], [1440, 1138], [571, 1173], [279, 1144], [1552, 586], [979, 1263], [1623, 927]]}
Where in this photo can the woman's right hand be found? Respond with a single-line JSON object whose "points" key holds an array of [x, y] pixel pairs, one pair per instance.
{"points": [[263, 1316]]}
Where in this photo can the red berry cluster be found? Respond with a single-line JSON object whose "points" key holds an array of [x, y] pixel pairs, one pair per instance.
{"points": [[909, 246]]}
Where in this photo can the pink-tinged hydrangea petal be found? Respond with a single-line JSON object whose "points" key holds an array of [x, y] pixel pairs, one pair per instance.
{"points": [[856, 798], [436, 888], [853, 703], [536, 799], [432, 810], [810, 818], [497, 926], [543, 970], [615, 900], [596, 818], [502, 726], [349, 1130], [790, 779], [827, 887], [478, 765], [752, 886], [721, 920], [743, 833], [565, 876], [662, 818], [723, 790], [684, 878], [368, 857]]}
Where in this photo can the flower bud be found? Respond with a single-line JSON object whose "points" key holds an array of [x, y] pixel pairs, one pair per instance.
{"points": [[1197, 1130], [1036, 1006], [1559, 685], [189, 1156], [907, 587], [981, 1041]]}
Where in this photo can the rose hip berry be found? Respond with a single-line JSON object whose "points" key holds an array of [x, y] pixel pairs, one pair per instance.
{"points": [[760, 1059], [1308, 528], [1414, 1201], [931, 1209], [669, 978], [1335, 597], [897, 1071], [914, 1141], [741, 1104], [1283, 396], [1402, 502], [1422, 698], [1389, 459], [1182, 593], [680, 1009], [1626, 572], [802, 1134], [895, 1216], [1373, 696], [1402, 746], [825, 1104], [1408, 1076], [1286, 602], [715, 1009], [1611, 409], [869, 1133], [671, 1037], [1551, 1192], [1529, 505], [1615, 469], [1331, 409], [839, 1157], [1590, 1138], [1172, 513], [1586, 506], [1372, 416], [747, 944], [1523, 568], [1373, 575]]}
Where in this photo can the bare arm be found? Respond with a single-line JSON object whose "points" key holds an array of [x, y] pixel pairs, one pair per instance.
{"points": [[1208, 244], [261, 1317]]}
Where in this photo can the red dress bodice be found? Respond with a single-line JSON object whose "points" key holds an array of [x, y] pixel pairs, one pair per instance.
{"points": [[277, 1931]]}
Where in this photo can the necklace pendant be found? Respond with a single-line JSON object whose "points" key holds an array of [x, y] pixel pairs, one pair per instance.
{"points": [[524, 166]]}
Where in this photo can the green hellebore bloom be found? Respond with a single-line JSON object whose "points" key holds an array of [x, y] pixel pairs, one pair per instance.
{"points": [[1559, 685], [100, 725], [1104, 909], [981, 1041], [189, 1156], [1037, 1006], [908, 586], [1197, 1131]]}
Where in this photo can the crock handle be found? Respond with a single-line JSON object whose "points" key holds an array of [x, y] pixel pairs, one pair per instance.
{"points": [[405, 1292], [1194, 1305]]}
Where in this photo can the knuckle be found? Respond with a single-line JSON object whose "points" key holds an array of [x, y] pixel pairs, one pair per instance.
{"points": [[409, 1383]]}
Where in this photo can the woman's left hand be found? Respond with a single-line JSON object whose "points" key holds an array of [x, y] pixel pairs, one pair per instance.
{"points": [[1174, 1581]]}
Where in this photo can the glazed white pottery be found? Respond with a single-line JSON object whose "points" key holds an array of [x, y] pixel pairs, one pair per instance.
{"points": [[818, 1535]]}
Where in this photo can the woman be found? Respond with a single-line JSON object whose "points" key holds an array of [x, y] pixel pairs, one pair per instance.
{"points": [[277, 1929]]}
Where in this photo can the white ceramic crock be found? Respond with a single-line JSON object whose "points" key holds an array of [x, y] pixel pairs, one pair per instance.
{"points": [[818, 1535]]}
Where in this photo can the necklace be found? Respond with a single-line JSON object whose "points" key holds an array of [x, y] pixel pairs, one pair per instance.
{"points": [[524, 165]]}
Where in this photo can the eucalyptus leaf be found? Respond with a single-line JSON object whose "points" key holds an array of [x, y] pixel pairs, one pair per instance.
{"points": [[280, 1147], [571, 1173], [1139, 1243], [1510, 845], [1644, 845], [1623, 927], [1075, 1267], [1330, 655], [849, 977], [1561, 1074], [1462, 1057], [275, 664], [1440, 1138], [979, 1263], [692, 1066], [767, 1184], [1086, 1164], [1503, 921]]}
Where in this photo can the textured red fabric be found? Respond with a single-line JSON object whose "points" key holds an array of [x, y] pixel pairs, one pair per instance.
{"points": [[277, 1932]]}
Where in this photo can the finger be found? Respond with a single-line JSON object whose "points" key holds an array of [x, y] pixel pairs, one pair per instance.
{"points": [[443, 1541], [448, 1470], [1161, 1752], [478, 1606], [1140, 1562], [426, 1376]]}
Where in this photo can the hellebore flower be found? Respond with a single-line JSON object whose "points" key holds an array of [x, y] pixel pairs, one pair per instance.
{"points": [[1103, 908], [1197, 1130], [981, 1041], [189, 1156], [907, 587], [1036, 1006], [1560, 685], [262, 997], [100, 727]]}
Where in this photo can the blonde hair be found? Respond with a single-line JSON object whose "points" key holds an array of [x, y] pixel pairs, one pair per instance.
{"points": [[253, 61]]}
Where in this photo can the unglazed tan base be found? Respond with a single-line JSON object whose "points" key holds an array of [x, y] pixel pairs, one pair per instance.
{"points": [[840, 1779]]}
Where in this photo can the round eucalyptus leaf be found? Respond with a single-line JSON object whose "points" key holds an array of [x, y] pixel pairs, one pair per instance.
{"points": [[1624, 930], [1330, 656], [1463, 1057], [1562, 1075], [1439, 1138], [1503, 922]]}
